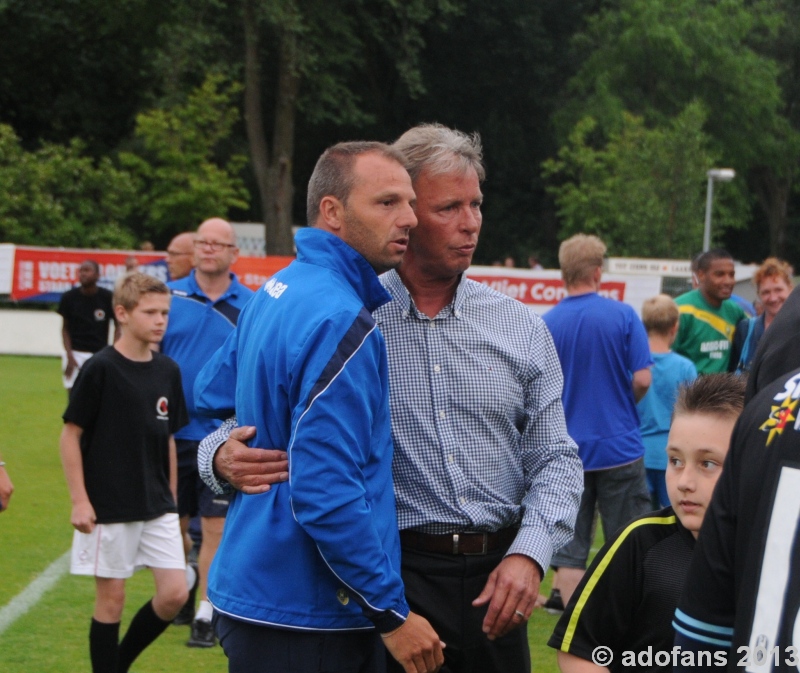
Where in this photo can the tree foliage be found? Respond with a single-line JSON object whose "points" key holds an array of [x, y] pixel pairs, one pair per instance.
{"points": [[643, 191], [317, 51], [523, 74], [181, 175], [59, 196], [654, 57]]}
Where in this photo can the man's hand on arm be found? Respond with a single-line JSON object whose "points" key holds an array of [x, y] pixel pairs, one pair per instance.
{"points": [[512, 588], [250, 470], [416, 646]]}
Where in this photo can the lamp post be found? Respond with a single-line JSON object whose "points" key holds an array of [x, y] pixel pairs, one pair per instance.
{"points": [[720, 175]]}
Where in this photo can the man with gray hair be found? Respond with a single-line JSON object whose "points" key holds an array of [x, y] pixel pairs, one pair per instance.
{"points": [[487, 481]]}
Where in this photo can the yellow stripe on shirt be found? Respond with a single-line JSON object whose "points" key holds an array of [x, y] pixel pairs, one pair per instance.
{"points": [[719, 324], [600, 569]]}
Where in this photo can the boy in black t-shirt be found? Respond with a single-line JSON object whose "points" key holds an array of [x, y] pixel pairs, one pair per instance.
{"points": [[620, 616], [119, 458]]}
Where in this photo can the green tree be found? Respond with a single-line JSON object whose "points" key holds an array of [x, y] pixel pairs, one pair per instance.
{"points": [[643, 190], [181, 173], [654, 57], [315, 51], [59, 196], [77, 69]]}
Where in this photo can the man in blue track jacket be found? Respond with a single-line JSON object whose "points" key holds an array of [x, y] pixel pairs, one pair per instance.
{"points": [[487, 480], [307, 576]]}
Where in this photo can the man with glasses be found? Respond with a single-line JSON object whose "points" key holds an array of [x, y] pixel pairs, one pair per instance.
{"points": [[205, 309], [180, 255]]}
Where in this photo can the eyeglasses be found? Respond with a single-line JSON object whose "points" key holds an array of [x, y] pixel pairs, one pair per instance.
{"points": [[175, 253], [216, 246]]}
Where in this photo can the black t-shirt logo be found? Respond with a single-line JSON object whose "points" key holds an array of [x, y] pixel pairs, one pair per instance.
{"points": [[99, 315], [162, 408]]}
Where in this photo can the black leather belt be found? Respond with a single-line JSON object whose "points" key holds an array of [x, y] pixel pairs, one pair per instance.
{"points": [[468, 543]]}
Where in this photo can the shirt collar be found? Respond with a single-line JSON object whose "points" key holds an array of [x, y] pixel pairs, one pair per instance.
{"points": [[232, 291], [394, 284]]}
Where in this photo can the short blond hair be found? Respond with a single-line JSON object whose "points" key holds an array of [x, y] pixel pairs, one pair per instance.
{"points": [[660, 314], [579, 256], [129, 289]]}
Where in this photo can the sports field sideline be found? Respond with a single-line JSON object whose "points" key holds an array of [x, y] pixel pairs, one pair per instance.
{"points": [[45, 612]]}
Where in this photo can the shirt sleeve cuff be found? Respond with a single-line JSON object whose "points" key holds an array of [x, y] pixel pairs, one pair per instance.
{"points": [[205, 457], [531, 543]]}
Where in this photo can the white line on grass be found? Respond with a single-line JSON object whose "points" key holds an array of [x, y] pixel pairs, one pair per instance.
{"points": [[30, 596]]}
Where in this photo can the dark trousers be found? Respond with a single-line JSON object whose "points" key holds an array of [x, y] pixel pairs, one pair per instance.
{"points": [[261, 649], [441, 588]]}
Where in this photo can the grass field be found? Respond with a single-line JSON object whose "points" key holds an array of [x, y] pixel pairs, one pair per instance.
{"points": [[52, 636]]}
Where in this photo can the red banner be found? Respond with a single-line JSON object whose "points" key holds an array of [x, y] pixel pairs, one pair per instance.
{"points": [[538, 290], [43, 274]]}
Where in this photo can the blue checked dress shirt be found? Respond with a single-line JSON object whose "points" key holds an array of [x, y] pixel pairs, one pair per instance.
{"points": [[480, 439]]}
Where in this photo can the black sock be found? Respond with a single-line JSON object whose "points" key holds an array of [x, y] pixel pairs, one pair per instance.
{"points": [[103, 646], [145, 627]]}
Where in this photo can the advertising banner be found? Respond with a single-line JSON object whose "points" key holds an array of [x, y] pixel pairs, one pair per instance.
{"points": [[543, 289], [43, 274]]}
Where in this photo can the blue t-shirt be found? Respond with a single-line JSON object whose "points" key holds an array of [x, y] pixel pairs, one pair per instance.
{"points": [[669, 372], [197, 328], [600, 343]]}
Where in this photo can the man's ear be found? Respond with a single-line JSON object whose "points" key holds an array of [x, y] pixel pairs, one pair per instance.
{"points": [[331, 213]]}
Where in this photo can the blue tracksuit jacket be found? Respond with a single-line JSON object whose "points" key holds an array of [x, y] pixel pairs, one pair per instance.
{"points": [[309, 366]]}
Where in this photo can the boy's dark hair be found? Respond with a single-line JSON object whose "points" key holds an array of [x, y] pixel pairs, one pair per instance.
{"points": [[660, 314], [128, 289], [715, 394]]}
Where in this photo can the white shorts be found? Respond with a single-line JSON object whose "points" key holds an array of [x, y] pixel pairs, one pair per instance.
{"points": [[119, 549], [80, 357]]}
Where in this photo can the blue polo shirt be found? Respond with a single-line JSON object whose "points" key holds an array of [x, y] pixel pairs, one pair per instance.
{"points": [[600, 343], [197, 328]]}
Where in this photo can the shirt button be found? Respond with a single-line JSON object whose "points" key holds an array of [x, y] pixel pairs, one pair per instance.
{"points": [[462, 500], [431, 324], [450, 458], [441, 414], [437, 368]]}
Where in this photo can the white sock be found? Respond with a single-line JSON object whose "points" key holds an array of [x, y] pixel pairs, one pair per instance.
{"points": [[204, 612], [191, 577]]}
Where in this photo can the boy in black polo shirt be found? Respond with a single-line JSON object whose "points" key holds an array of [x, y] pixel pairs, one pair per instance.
{"points": [[119, 458], [624, 605]]}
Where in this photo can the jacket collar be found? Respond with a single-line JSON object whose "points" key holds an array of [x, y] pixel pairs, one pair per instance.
{"points": [[315, 246]]}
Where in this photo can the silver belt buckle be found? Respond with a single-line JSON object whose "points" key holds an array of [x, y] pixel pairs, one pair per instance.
{"points": [[482, 552]]}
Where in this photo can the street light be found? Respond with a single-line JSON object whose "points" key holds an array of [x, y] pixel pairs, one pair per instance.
{"points": [[720, 175]]}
